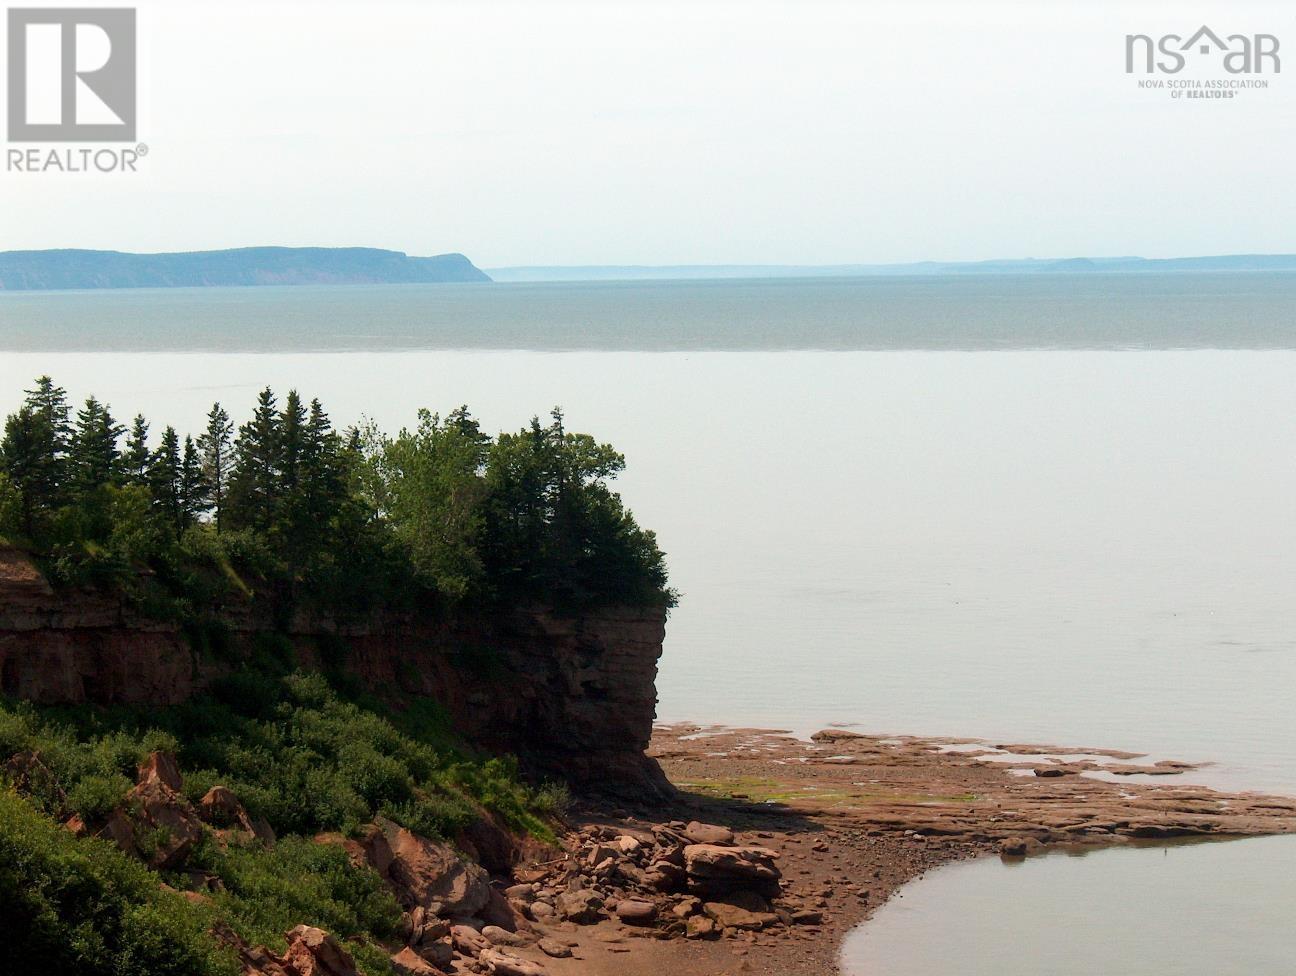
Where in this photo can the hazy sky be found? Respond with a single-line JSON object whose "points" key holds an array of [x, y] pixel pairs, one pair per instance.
{"points": [[551, 132]]}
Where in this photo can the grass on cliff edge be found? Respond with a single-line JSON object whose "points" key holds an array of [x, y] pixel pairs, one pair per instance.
{"points": [[296, 752]]}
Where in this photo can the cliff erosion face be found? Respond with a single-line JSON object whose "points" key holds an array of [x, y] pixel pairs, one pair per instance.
{"points": [[573, 697]]}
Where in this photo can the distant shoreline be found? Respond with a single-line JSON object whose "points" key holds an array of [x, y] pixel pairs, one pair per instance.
{"points": [[1228, 263], [76, 269]]}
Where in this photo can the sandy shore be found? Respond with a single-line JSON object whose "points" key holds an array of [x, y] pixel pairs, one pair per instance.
{"points": [[853, 818]]}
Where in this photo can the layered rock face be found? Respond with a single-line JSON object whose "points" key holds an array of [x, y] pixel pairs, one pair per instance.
{"points": [[571, 696]]}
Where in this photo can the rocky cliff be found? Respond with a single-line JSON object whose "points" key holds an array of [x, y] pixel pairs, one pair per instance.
{"points": [[570, 696]]}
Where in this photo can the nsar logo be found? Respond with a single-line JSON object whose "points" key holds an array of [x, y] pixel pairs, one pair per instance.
{"points": [[1241, 53]]}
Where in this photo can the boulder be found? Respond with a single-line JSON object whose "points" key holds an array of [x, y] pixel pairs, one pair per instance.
{"points": [[468, 940], [313, 952], [581, 907], [521, 892], [664, 876], [554, 948], [700, 927], [750, 913], [424, 872], [686, 906], [633, 911], [438, 953], [498, 936], [700, 833], [506, 965], [408, 963], [221, 808], [425, 927], [160, 767], [498, 912], [164, 825], [715, 870]]}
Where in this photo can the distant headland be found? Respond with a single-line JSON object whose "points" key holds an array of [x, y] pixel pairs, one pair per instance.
{"points": [[638, 272], [73, 268]]}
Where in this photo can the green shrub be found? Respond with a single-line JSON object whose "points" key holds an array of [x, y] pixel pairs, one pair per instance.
{"points": [[301, 882], [95, 796], [295, 752], [83, 907]]}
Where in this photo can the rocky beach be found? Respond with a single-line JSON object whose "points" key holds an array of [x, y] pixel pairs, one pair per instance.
{"points": [[773, 849]]}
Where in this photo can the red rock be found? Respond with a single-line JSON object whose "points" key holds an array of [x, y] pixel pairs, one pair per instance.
{"points": [[507, 965], [313, 952], [581, 907], [700, 833], [221, 808], [408, 963], [171, 824], [161, 767], [717, 870], [664, 876], [700, 927], [632, 911], [557, 950], [737, 916], [498, 912], [424, 872], [468, 940]]}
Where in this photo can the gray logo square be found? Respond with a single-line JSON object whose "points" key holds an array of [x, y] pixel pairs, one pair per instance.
{"points": [[72, 74]]}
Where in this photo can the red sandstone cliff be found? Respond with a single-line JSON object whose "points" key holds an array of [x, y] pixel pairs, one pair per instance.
{"points": [[571, 696]]}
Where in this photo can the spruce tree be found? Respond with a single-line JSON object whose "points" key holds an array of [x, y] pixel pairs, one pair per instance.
{"points": [[136, 458], [165, 480], [292, 446], [49, 405], [214, 445], [92, 453], [29, 462], [254, 479], [50, 401], [194, 492]]}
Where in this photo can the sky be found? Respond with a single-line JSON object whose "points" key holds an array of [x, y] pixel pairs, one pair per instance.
{"points": [[614, 132]]}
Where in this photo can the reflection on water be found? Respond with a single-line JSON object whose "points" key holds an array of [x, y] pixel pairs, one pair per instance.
{"points": [[1207, 909]]}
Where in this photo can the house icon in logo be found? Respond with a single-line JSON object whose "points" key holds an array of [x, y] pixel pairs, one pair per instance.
{"points": [[1201, 37]]}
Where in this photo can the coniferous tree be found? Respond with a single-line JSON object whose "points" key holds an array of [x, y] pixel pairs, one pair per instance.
{"points": [[194, 492], [215, 445], [92, 453], [165, 478], [254, 478], [321, 467], [49, 405], [28, 459], [292, 446], [137, 456], [50, 401]]}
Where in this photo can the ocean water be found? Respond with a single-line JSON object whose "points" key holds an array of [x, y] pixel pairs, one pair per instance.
{"points": [[1039, 311], [1166, 911], [1046, 509]]}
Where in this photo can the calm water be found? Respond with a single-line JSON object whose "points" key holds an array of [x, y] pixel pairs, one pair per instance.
{"points": [[1091, 311], [1165, 912], [1091, 546]]}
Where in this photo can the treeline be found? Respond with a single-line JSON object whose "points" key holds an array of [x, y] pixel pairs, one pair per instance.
{"points": [[286, 507]]}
